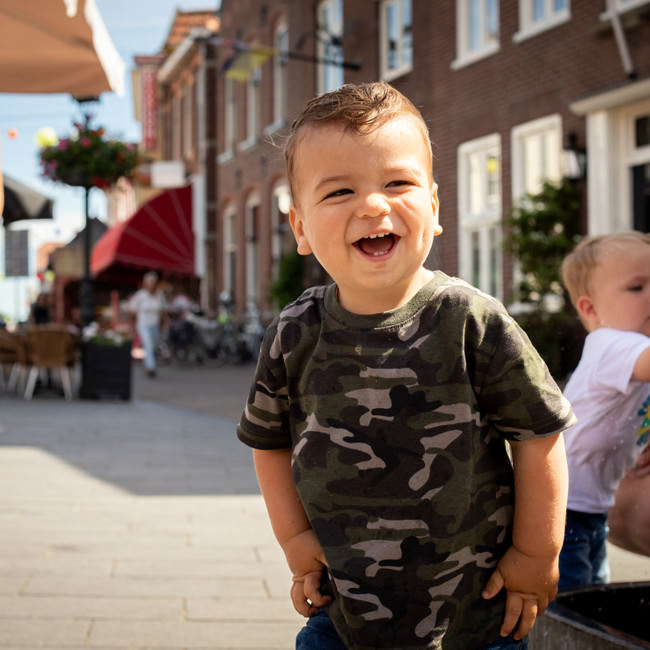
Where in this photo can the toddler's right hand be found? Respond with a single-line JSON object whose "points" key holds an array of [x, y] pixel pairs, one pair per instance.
{"points": [[307, 562]]}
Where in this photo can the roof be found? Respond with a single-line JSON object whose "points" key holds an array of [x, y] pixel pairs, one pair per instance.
{"points": [[184, 22]]}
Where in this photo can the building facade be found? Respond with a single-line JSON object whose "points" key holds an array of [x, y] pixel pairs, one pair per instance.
{"points": [[514, 94]]}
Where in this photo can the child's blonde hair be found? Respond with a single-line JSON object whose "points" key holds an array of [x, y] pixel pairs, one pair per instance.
{"points": [[357, 107], [578, 266]]}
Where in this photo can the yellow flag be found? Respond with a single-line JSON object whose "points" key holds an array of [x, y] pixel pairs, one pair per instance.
{"points": [[243, 63]]}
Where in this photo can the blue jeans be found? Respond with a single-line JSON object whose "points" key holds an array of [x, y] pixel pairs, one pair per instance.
{"points": [[583, 560], [149, 339], [319, 634]]}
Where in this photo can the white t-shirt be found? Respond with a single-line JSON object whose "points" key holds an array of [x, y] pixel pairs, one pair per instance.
{"points": [[147, 307], [612, 412]]}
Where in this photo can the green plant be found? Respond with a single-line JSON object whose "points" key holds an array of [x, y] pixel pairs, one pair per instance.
{"points": [[290, 282], [542, 228], [87, 158]]}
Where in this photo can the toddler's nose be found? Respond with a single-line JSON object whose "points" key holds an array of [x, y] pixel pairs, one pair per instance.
{"points": [[373, 205]]}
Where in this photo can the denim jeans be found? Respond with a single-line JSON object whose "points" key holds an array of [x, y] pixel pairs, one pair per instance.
{"points": [[149, 339], [583, 560], [319, 634]]}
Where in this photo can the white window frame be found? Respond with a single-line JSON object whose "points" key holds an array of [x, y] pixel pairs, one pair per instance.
{"points": [[229, 248], [529, 26], [484, 224], [188, 144], [330, 20], [488, 45], [252, 110], [549, 130], [229, 121], [280, 61], [252, 246], [280, 204], [176, 126], [403, 42]]}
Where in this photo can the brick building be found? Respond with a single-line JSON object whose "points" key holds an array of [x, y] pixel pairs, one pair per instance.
{"points": [[504, 86]]}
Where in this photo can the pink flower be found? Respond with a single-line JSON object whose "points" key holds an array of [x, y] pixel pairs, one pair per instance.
{"points": [[63, 145], [85, 142]]}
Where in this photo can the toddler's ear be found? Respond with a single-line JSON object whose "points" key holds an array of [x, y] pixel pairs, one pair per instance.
{"points": [[435, 204], [587, 310], [298, 229]]}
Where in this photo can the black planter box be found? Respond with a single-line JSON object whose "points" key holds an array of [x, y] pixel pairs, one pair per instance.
{"points": [[603, 617], [105, 371]]}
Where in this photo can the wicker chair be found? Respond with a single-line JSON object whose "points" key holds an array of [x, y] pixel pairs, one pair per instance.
{"points": [[50, 348], [8, 356]]}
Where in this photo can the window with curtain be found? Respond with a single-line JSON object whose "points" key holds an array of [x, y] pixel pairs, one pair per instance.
{"points": [[479, 210]]}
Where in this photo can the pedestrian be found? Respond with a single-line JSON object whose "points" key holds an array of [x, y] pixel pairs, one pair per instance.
{"points": [[381, 406], [608, 280], [148, 307]]}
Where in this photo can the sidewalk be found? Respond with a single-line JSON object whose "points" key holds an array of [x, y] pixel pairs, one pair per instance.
{"points": [[139, 524]]}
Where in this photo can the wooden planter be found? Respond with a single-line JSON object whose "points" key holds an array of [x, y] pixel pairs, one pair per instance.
{"points": [[105, 371]]}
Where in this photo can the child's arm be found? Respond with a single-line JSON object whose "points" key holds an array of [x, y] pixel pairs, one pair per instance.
{"points": [[642, 366], [529, 569], [292, 529]]}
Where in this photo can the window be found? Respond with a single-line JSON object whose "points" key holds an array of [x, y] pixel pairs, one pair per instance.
{"points": [[188, 122], [479, 209], [229, 120], [281, 44], [252, 108], [536, 16], [280, 230], [252, 246], [536, 149], [176, 125], [230, 250], [396, 38], [330, 45], [477, 30]]}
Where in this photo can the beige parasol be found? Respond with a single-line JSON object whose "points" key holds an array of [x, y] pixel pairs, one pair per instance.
{"points": [[57, 46]]}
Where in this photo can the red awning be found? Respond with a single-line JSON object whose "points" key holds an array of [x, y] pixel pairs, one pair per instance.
{"points": [[157, 236]]}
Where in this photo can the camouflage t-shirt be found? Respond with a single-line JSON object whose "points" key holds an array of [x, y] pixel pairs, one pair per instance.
{"points": [[397, 423]]}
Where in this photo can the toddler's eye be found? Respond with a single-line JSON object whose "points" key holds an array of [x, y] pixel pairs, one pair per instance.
{"points": [[399, 183], [340, 192]]}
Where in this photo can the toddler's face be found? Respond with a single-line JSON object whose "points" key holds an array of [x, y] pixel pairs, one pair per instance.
{"points": [[367, 207], [621, 288]]}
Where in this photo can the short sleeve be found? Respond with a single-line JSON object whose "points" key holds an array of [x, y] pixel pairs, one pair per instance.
{"points": [[518, 395], [265, 423]]}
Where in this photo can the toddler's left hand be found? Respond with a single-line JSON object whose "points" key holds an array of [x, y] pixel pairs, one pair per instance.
{"points": [[531, 584]]}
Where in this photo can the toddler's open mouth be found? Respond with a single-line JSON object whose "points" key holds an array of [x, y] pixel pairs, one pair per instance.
{"points": [[377, 245]]}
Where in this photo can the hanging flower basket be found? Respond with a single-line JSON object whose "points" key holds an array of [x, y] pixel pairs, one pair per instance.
{"points": [[87, 159]]}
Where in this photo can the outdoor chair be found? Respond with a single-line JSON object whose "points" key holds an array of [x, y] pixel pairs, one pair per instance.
{"points": [[50, 349]]}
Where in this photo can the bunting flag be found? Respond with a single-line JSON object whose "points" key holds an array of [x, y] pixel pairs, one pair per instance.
{"points": [[243, 63]]}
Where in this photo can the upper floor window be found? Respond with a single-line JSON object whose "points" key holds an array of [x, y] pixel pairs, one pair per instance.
{"points": [[281, 44], [396, 40], [536, 16], [330, 45], [229, 119], [477, 30], [252, 108]]}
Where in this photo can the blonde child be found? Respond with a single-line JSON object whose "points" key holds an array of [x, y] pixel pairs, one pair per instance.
{"points": [[608, 279]]}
